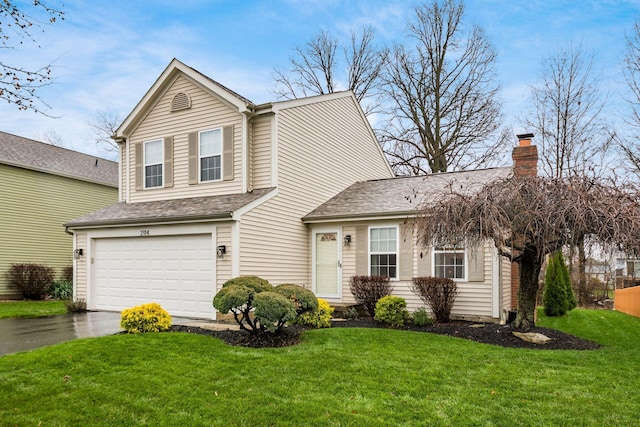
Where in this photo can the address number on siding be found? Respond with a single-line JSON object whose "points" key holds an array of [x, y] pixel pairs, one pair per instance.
{"points": [[144, 233]]}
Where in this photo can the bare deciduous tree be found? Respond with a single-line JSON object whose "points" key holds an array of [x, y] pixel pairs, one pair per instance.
{"points": [[444, 112], [567, 119], [103, 127], [317, 70], [630, 147], [18, 84], [528, 218], [51, 137]]}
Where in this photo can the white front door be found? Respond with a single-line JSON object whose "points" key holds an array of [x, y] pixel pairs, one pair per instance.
{"points": [[327, 264]]}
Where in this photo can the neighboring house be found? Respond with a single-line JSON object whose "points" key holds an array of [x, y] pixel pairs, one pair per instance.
{"points": [[299, 191], [44, 186]]}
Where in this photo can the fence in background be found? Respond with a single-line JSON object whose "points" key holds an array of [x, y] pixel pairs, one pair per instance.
{"points": [[628, 301]]}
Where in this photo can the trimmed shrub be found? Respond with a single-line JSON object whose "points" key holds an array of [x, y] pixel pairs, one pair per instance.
{"points": [[67, 274], [555, 298], [421, 317], [391, 311], [352, 314], [61, 289], [319, 318], [438, 293], [257, 284], [273, 310], [303, 299], [145, 318], [31, 280], [367, 290]]}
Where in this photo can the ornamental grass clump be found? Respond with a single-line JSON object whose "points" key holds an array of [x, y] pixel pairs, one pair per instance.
{"points": [[392, 311], [145, 318], [319, 318]]}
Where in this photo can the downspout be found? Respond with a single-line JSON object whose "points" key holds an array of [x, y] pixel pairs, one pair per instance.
{"points": [[123, 190]]}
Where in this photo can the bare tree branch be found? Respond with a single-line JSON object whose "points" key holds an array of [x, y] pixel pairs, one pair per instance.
{"points": [[19, 85], [316, 70], [444, 111], [567, 117], [103, 127]]}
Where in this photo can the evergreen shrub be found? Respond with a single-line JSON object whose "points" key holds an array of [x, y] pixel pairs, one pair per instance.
{"points": [[391, 311], [421, 317], [319, 318], [145, 318]]}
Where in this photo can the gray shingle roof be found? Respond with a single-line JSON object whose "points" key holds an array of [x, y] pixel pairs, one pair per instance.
{"points": [[213, 207], [27, 153], [400, 196]]}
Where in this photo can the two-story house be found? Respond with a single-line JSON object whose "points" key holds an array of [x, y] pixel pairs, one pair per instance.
{"points": [[213, 186]]}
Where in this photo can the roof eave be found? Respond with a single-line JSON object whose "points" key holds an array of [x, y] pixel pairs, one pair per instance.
{"points": [[147, 221], [370, 216]]}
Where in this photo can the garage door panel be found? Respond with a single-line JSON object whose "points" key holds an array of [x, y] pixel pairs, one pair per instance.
{"points": [[175, 271]]}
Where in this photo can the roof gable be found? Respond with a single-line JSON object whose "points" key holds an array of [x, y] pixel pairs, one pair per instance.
{"points": [[30, 154], [164, 82]]}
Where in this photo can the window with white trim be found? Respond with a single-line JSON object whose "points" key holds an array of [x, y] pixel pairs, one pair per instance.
{"points": [[153, 155], [210, 155], [449, 261], [383, 251]]}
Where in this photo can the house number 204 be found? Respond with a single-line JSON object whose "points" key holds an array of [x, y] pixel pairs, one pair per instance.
{"points": [[144, 232]]}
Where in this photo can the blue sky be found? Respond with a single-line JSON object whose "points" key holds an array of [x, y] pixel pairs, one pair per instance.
{"points": [[107, 54]]}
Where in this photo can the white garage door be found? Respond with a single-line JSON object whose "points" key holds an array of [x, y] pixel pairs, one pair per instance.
{"points": [[177, 272]]}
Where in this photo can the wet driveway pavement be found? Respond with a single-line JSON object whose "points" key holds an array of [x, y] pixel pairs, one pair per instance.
{"points": [[27, 334]]}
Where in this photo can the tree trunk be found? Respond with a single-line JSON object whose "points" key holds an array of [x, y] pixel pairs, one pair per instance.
{"points": [[583, 293], [529, 265]]}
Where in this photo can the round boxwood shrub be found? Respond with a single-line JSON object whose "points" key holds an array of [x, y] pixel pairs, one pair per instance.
{"points": [[258, 284], [391, 310], [145, 318], [319, 318], [273, 310], [303, 299]]}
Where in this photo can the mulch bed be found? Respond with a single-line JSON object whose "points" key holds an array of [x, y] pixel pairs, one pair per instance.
{"points": [[488, 333]]}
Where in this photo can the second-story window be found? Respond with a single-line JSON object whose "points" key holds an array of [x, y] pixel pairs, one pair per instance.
{"points": [[153, 163], [210, 155]]}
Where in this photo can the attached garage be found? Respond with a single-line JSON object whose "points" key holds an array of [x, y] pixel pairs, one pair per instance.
{"points": [[176, 271]]}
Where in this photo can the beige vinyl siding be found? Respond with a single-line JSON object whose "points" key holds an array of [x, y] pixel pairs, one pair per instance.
{"points": [[322, 148], [34, 207], [80, 271], [207, 112], [223, 265], [261, 155], [473, 302]]}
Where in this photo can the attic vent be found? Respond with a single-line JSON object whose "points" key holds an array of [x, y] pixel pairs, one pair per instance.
{"points": [[180, 102]]}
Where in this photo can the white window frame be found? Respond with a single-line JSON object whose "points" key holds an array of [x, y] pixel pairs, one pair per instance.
{"points": [[396, 252], [145, 164], [200, 157], [458, 248]]}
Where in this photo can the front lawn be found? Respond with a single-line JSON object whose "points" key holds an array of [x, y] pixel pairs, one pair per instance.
{"points": [[31, 308], [341, 376]]}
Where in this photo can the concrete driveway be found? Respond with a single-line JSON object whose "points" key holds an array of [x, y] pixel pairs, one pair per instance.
{"points": [[27, 334]]}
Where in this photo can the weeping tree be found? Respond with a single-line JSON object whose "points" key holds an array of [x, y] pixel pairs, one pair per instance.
{"points": [[530, 217]]}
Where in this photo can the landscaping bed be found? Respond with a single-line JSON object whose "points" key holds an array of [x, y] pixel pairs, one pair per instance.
{"points": [[488, 333]]}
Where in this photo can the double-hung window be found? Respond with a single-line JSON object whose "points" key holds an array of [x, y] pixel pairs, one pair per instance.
{"points": [[383, 251], [210, 155], [449, 261], [153, 155]]}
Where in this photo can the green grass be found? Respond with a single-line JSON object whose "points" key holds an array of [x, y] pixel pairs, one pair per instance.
{"points": [[339, 377], [31, 308]]}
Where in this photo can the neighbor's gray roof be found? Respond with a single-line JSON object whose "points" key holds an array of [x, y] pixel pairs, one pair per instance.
{"points": [[29, 154], [399, 196], [213, 207]]}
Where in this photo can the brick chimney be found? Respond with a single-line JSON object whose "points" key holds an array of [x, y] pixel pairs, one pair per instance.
{"points": [[525, 157], [525, 163]]}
